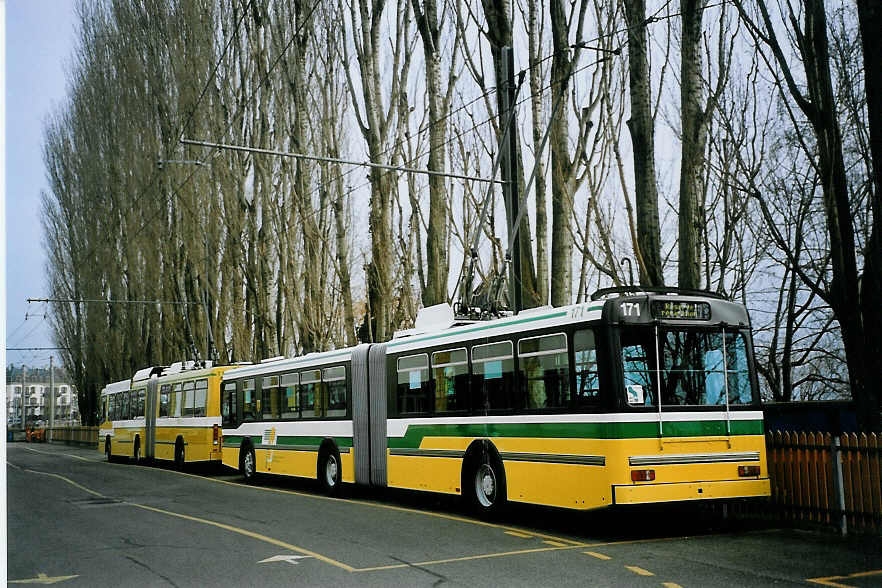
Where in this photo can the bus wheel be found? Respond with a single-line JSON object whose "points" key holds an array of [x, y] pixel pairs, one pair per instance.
{"points": [[248, 465], [329, 472], [136, 454], [487, 486], [180, 457]]}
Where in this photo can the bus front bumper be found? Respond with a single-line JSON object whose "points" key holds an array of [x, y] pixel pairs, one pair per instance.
{"points": [[649, 493]]}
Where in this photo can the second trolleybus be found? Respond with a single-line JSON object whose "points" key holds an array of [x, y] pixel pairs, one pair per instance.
{"points": [[635, 397], [167, 413]]}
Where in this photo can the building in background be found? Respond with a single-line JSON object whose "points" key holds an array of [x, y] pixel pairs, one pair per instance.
{"points": [[37, 400]]}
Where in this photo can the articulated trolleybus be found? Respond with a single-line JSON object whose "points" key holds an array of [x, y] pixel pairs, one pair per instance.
{"points": [[635, 397], [168, 413]]}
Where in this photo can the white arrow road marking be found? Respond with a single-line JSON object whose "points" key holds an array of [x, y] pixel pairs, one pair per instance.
{"points": [[291, 559]]}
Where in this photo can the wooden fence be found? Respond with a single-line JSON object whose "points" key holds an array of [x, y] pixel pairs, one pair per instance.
{"points": [[832, 481], [87, 436]]}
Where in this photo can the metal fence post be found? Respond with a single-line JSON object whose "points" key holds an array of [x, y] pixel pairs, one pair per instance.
{"points": [[838, 486]]}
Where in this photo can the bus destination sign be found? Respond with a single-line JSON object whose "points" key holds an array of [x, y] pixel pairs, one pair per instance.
{"points": [[681, 310]]}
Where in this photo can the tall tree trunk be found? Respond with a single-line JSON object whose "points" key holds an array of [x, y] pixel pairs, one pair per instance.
{"points": [[819, 108], [647, 249], [437, 262], [534, 32], [561, 165], [693, 141], [499, 34], [870, 19]]}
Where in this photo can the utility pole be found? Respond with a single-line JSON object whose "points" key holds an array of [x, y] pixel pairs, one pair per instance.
{"points": [[24, 411], [51, 395], [510, 179]]}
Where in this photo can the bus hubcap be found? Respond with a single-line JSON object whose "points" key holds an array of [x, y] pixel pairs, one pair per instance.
{"points": [[485, 484], [331, 470], [249, 465]]}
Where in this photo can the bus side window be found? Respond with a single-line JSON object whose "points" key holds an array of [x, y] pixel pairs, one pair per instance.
{"points": [[334, 380], [249, 405], [414, 385], [176, 401], [290, 397], [310, 394], [201, 398], [636, 370], [269, 390], [163, 400], [493, 377], [189, 398], [228, 405], [450, 370], [737, 370], [139, 403], [587, 378], [543, 363]]}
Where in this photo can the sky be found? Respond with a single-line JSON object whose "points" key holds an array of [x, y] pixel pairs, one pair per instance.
{"points": [[39, 41]]}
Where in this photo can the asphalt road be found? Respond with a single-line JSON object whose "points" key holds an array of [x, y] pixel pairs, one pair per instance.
{"points": [[79, 521]]}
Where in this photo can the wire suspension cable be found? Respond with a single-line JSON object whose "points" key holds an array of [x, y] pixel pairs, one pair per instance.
{"points": [[105, 301], [336, 160]]}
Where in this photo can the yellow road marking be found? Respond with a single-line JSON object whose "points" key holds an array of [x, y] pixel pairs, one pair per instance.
{"points": [[597, 555], [438, 515], [510, 553], [43, 579], [829, 580], [465, 558], [224, 526], [557, 543], [521, 535], [69, 481], [639, 571], [64, 454], [671, 585], [248, 533]]}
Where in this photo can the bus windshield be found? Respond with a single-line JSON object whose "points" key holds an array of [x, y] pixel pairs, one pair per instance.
{"points": [[697, 369]]}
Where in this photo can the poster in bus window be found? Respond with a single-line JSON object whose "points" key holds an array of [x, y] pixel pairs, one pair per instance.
{"points": [[635, 393], [415, 380], [493, 370]]}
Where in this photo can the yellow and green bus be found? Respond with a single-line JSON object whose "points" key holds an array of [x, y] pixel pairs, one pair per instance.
{"points": [[165, 413], [634, 397]]}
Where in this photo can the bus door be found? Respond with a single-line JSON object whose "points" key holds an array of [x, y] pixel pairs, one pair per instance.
{"points": [[150, 418]]}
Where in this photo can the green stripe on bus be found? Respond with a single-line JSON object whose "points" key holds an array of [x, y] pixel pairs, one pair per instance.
{"points": [[531, 319], [416, 433], [230, 440]]}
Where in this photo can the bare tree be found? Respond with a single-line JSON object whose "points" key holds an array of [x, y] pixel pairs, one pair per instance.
{"points": [[816, 102], [647, 248]]}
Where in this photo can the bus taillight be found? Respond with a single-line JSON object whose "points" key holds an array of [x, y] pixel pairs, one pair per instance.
{"points": [[642, 475], [215, 434], [748, 471]]}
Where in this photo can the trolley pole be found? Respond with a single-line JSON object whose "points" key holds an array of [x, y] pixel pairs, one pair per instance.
{"points": [[510, 178]]}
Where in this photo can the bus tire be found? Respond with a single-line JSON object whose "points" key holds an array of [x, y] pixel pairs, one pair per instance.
{"points": [[136, 452], [329, 471], [484, 481], [180, 454], [248, 464]]}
